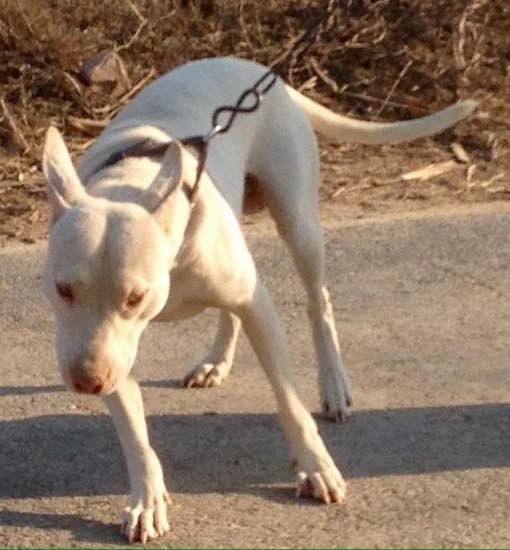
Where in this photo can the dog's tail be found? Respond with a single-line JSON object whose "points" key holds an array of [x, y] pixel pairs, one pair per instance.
{"points": [[342, 128]]}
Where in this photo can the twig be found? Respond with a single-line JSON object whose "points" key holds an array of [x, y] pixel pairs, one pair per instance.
{"points": [[459, 44], [28, 25], [111, 109], [87, 126], [8, 184], [458, 48], [73, 83], [394, 87], [83, 146], [134, 38], [323, 76], [308, 84], [485, 184], [340, 189], [432, 170], [459, 153], [244, 30], [368, 98], [5, 32], [372, 99], [490, 118], [18, 137], [136, 11]]}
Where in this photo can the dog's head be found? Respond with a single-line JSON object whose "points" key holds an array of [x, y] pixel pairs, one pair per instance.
{"points": [[107, 268]]}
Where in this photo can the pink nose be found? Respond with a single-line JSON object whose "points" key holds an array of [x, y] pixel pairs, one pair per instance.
{"points": [[92, 385]]}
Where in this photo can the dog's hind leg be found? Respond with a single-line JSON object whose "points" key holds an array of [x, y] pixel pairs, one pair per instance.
{"points": [[216, 366], [290, 188], [304, 238]]}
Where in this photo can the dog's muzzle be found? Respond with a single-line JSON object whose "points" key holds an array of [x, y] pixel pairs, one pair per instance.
{"points": [[90, 378]]}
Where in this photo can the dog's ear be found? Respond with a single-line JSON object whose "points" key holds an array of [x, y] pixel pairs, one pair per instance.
{"points": [[63, 184], [158, 197]]}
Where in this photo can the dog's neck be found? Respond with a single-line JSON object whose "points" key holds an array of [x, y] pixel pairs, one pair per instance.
{"points": [[146, 148], [128, 178]]}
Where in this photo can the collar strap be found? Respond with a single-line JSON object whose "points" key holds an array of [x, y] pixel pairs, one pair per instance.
{"points": [[146, 148], [151, 148], [200, 144]]}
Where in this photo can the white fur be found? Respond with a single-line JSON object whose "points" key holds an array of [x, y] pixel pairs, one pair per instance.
{"points": [[120, 236]]}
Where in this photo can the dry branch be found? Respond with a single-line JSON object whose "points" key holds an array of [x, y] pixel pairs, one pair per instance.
{"points": [[112, 108], [431, 170], [314, 64], [459, 152], [143, 22], [17, 135], [394, 87], [87, 126]]}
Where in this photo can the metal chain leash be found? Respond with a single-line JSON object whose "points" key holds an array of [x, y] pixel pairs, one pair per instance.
{"points": [[250, 100]]}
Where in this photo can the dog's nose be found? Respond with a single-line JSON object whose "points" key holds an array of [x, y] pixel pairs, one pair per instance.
{"points": [[88, 375], [93, 385]]}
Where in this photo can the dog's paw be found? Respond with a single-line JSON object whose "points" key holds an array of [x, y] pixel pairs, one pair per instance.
{"points": [[317, 474], [206, 375], [336, 398], [337, 411], [325, 484], [146, 519]]}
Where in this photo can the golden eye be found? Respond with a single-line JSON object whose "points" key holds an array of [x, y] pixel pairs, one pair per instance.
{"points": [[134, 298], [65, 292]]}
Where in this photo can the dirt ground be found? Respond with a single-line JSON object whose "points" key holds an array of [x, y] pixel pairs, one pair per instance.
{"points": [[378, 60], [357, 182]]}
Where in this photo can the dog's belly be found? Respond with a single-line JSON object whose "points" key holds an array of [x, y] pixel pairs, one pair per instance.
{"points": [[253, 198]]}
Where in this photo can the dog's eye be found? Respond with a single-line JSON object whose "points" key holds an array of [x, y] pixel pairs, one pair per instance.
{"points": [[65, 292], [134, 298]]}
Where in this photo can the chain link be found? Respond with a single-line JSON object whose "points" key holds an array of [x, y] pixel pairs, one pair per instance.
{"points": [[250, 100]]}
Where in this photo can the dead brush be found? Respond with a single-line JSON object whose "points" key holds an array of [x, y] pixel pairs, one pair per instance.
{"points": [[379, 59]]}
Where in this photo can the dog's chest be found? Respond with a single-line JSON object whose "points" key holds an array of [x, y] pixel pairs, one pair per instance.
{"points": [[186, 298]]}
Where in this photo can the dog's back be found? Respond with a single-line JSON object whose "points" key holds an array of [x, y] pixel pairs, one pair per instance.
{"points": [[181, 103]]}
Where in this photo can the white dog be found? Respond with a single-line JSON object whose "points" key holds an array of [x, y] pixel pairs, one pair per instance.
{"points": [[123, 222]]}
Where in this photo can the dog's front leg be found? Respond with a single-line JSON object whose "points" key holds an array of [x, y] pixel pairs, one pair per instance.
{"points": [[317, 474], [146, 516]]}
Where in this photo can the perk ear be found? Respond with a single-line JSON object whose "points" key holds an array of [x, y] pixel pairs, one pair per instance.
{"points": [[63, 185], [167, 180], [161, 199]]}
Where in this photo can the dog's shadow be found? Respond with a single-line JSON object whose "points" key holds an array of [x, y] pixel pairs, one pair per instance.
{"points": [[86, 531], [70, 455], [67, 455]]}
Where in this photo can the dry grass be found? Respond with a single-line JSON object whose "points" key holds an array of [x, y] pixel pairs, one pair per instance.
{"points": [[383, 59]]}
